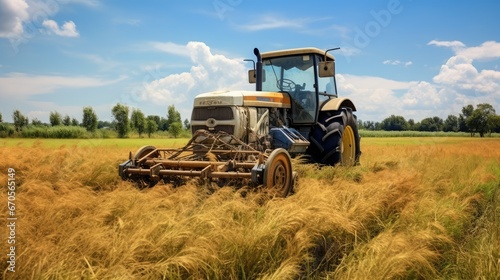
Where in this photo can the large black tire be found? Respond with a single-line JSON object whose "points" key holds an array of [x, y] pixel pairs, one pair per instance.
{"points": [[335, 138]]}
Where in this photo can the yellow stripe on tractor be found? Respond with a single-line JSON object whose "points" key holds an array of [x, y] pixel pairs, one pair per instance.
{"points": [[267, 99]]}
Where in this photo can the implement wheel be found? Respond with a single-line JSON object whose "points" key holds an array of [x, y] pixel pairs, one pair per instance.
{"points": [[144, 181], [278, 172]]}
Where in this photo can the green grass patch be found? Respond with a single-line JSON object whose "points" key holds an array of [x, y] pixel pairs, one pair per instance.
{"points": [[382, 133], [421, 141], [132, 143], [67, 132]]}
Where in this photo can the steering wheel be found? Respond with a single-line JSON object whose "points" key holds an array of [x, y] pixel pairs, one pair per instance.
{"points": [[286, 85]]}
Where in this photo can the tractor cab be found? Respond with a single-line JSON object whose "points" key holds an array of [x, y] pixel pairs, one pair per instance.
{"points": [[306, 74]]}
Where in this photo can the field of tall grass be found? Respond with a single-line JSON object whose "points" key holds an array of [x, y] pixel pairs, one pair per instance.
{"points": [[415, 208]]}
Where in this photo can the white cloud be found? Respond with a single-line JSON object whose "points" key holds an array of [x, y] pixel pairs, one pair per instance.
{"points": [[391, 62], [19, 85], [329, 30], [89, 3], [488, 81], [421, 95], [455, 45], [371, 82], [209, 72], [68, 29], [171, 48], [374, 97], [397, 62], [12, 15], [132, 22], [348, 51], [487, 50], [21, 19], [459, 73], [457, 70], [377, 98], [459, 82], [267, 22]]}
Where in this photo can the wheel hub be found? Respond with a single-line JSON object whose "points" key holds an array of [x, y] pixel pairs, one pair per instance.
{"points": [[280, 176]]}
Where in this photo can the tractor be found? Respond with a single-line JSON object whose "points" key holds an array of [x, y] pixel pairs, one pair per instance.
{"points": [[250, 137]]}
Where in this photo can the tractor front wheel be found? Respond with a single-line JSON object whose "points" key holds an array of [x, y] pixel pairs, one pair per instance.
{"points": [[335, 138]]}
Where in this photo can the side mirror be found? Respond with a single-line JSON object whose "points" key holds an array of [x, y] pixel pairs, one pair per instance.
{"points": [[252, 76], [326, 69]]}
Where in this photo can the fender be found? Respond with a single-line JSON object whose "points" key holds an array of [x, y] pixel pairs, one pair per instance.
{"points": [[335, 103]]}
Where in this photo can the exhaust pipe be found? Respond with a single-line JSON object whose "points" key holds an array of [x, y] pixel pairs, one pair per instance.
{"points": [[258, 78]]}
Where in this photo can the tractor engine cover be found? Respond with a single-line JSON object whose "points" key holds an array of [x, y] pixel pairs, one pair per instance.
{"points": [[232, 120], [244, 114]]}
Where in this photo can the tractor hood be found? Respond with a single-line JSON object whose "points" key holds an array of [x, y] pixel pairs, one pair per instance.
{"points": [[243, 98]]}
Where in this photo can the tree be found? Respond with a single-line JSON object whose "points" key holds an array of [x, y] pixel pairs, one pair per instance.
{"points": [[36, 122], [163, 126], [431, 124], [55, 118], [156, 119], [369, 125], [138, 122], [1, 119], [74, 122], [175, 129], [451, 124], [495, 123], [479, 120], [462, 118], [151, 127], [103, 124], [66, 120], [467, 111], [394, 123], [120, 113], [411, 124], [187, 124], [89, 120], [173, 116], [20, 120], [360, 125]]}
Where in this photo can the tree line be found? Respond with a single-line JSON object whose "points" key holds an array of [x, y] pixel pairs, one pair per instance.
{"points": [[482, 120], [150, 124], [122, 123]]}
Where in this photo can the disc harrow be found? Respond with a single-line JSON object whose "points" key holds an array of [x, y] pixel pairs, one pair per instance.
{"points": [[210, 156]]}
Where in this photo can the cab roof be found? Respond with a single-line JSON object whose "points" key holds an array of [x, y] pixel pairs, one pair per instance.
{"points": [[297, 51]]}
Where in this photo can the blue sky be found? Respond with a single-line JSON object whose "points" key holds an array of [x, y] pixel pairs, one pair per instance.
{"points": [[413, 58]]}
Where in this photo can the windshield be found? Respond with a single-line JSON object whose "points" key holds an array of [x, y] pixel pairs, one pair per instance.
{"points": [[283, 73], [295, 75]]}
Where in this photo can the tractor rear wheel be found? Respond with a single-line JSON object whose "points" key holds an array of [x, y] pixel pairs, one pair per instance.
{"points": [[278, 176], [144, 181], [335, 138]]}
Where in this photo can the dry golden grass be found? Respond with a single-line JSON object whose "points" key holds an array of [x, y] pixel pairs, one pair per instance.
{"points": [[415, 208]]}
